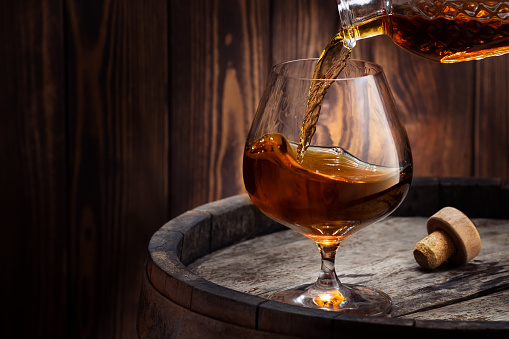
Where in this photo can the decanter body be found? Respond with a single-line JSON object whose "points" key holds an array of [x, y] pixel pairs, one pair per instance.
{"points": [[442, 30]]}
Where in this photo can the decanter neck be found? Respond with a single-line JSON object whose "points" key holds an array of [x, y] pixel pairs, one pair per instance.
{"points": [[362, 18]]}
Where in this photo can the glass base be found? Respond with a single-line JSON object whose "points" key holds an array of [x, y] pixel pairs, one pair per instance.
{"points": [[353, 299]]}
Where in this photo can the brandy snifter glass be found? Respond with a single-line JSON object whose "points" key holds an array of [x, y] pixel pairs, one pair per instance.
{"points": [[355, 171]]}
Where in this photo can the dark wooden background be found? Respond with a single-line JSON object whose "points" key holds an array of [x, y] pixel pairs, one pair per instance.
{"points": [[118, 115]]}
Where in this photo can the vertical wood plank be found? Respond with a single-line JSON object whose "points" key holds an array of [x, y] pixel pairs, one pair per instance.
{"points": [[33, 248], [118, 156], [492, 118], [436, 103], [219, 63], [302, 29]]}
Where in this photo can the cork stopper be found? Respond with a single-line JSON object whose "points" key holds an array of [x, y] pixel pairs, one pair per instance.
{"points": [[452, 236]]}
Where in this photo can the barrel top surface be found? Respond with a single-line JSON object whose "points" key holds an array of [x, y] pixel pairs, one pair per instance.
{"points": [[379, 256], [223, 259]]}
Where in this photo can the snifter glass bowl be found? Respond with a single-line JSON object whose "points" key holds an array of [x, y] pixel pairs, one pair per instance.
{"points": [[356, 171]]}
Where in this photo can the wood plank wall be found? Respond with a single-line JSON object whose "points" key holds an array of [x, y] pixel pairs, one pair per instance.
{"points": [[84, 151], [118, 115]]}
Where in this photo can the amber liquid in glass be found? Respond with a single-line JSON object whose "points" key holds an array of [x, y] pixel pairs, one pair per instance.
{"points": [[327, 196]]}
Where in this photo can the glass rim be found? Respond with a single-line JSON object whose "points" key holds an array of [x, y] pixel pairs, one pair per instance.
{"points": [[276, 69]]}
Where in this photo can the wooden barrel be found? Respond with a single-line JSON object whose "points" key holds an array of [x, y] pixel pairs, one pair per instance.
{"points": [[210, 269]]}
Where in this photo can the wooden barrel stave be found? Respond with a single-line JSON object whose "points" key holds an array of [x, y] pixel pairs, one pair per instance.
{"points": [[477, 197], [159, 317]]}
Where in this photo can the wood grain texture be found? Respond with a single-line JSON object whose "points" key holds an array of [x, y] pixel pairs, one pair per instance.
{"points": [[302, 29], [118, 156], [33, 245], [155, 310], [494, 308], [436, 103], [219, 65], [491, 124]]}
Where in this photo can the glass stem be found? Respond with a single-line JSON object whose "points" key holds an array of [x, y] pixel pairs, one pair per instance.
{"points": [[328, 279]]}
